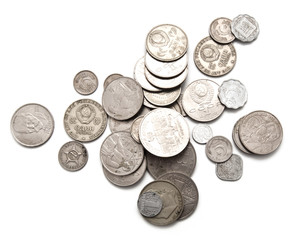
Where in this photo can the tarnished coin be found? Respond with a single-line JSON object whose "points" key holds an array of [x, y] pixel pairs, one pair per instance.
{"points": [[218, 149], [85, 120], [245, 28], [32, 125], [164, 132], [261, 132], [73, 156], [202, 133], [122, 98], [167, 42], [231, 170], [110, 79], [163, 98], [220, 30], [85, 82], [149, 204], [135, 128], [172, 201], [236, 137], [214, 59], [233, 94], [187, 188], [200, 101], [120, 154]]}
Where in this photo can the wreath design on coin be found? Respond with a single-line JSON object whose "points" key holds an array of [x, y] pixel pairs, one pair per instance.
{"points": [[85, 113], [159, 38], [209, 53], [201, 92]]}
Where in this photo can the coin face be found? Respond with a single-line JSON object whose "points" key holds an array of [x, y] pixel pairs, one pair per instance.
{"points": [[149, 204], [261, 132], [231, 170], [85, 120], [163, 98], [32, 125], [200, 101], [135, 128], [214, 59], [85, 82], [110, 79], [245, 28], [73, 156], [122, 98], [164, 132], [218, 149], [202, 133], [220, 30], [236, 137], [166, 42]]}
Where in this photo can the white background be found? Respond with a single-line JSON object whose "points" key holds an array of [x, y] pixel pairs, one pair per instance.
{"points": [[42, 47]]}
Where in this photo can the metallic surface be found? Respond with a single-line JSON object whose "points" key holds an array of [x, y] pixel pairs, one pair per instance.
{"points": [[135, 128], [245, 28], [149, 204], [220, 30], [231, 170], [163, 98], [218, 149], [110, 79], [202, 133], [236, 137], [85, 82]]}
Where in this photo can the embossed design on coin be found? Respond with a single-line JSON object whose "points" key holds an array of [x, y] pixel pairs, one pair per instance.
{"points": [[110, 79], [202, 133], [236, 138], [32, 125], [231, 170], [218, 149], [135, 128], [245, 28], [163, 98], [149, 204], [85, 82], [220, 30]]}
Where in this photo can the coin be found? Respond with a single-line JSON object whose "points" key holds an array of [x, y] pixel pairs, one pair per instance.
{"points": [[32, 125], [120, 154], [218, 149], [220, 30], [233, 94], [187, 188], [231, 170], [85, 120], [164, 132], [236, 138], [110, 79], [122, 98], [202, 133], [261, 132], [214, 59], [245, 28], [149, 105], [135, 128], [73, 156], [163, 98], [179, 102], [200, 101], [149, 204], [85, 82], [167, 42]]}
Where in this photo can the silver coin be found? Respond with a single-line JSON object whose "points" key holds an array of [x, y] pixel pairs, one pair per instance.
{"points": [[166, 69], [200, 101], [166, 42], [164, 132], [163, 98], [32, 125], [220, 30], [122, 98], [214, 59], [231, 170], [179, 102], [73, 156], [149, 105], [245, 28], [120, 154], [85, 82], [218, 149], [236, 137], [233, 94], [149, 204], [135, 128], [110, 79], [175, 106], [202, 133], [85, 120]]}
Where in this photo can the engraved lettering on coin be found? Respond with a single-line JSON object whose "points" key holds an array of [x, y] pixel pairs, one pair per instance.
{"points": [[110, 79], [202, 133], [245, 28], [231, 170], [218, 149], [220, 30], [85, 82], [149, 204], [163, 98]]}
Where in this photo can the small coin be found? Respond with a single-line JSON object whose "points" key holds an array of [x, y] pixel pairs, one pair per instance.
{"points": [[214, 59], [231, 170], [149, 204], [236, 138], [167, 42], [32, 125], [202, 133], [85, 120], [245, 28], [110, 79], [135, 128], [163, 98], [85, 82], [73, 156], [220, 30], [218, 149]]}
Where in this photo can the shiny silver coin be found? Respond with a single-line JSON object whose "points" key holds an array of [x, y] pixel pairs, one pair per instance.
{"points": [[236, 137], [167, 42], [85, 120], [218, 149], [220, 30], [200, 101], [202, 133], [231, 170], [149, 204], [175, 106], [32, 125], [85, 82], [245, 28], [110, 79], [149, 105], [73, 156], [163, 98], [179, 102], [135, 128], [214, 59], [122, 98]]}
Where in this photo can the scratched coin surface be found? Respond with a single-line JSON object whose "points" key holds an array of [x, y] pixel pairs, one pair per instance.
{"points": [[73, 156], [163, 98], [85, 82], [135, 128], [202, 133], [231, 170], [167, 42], [214, 59], [120, 154], [85, 120], [200, 101], [261, 132], [220, 30], [245, 28], [110, 79], [149, 204], [32, 125], [236, 137], [164, 132], [218, 149]]}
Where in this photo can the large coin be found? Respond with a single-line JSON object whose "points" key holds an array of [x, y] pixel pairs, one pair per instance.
{"points": [[218, 149], [200, 101], [245, 28], [164, 132], [220, 30], [163, 98], [149, 204], [32, 125], [202, 133], [166, 42], [236, 137], [214, 59], [110, 79], [85, 120], [230, 170], [85, 82], [122, 98]]}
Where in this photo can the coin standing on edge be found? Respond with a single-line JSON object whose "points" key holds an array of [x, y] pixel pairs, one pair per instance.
{"points": [[85, 82], [220, 30], [149, 204], [245, 28], [231, 170], [218, 149], [202, 133]]}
